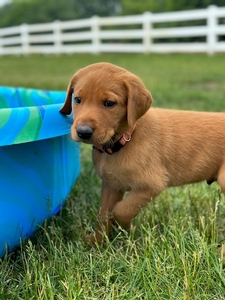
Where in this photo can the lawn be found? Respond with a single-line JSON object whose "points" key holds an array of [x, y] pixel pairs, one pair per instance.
{"points": [[170, 252]]}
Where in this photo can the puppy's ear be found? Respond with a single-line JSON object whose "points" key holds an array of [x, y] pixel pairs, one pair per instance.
{"points": [[139, 99], [67, 106]]}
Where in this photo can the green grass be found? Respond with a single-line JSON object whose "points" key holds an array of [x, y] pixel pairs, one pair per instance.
{"points": [[170, 252]]}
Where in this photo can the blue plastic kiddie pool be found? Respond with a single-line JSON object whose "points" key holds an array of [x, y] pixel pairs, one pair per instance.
{"points": [[39, 162]]}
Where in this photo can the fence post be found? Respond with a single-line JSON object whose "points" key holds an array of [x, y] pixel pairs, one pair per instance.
{"points": [[95, 35], [24, 39], [1, 47], [57, 36], [147, 26], [211, 27]]}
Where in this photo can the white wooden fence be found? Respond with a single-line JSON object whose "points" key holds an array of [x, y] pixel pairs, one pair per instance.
{"points": [[143, 33]]}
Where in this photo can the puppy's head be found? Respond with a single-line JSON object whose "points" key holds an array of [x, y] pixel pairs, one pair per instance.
{"points": [[107, 101]]}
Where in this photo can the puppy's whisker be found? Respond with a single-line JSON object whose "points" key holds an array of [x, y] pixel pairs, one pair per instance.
{"points": [[117, 136], [109, 143], [113, 139]]}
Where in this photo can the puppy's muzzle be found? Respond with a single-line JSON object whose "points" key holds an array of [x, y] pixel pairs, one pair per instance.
{"points": [[84, 132]]}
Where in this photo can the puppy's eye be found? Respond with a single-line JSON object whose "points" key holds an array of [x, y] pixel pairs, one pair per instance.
{"points": [[77, 100], [109, 103]]}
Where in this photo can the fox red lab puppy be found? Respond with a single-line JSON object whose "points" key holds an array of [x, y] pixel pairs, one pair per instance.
{"points": [[138, 149]]}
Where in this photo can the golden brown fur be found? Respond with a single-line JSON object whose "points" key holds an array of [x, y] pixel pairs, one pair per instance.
{"points": [[168, 147]]}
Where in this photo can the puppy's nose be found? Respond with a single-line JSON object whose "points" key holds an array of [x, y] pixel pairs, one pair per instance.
{"points": [[84, 131]]}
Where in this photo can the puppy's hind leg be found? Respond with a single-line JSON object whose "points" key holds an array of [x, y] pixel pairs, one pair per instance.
{"points": [[221, 182], [221, 178]]}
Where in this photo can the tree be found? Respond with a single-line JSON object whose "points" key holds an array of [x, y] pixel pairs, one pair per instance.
{"points": [[41, 11], [129, 7]]}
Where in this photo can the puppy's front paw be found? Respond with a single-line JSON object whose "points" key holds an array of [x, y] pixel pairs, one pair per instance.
{"points": [[95, 239]]}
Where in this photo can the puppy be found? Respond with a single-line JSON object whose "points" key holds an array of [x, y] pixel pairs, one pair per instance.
{"points": [[137, 149]]}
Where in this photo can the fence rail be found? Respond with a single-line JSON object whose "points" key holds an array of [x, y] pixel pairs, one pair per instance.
{"points": [[145, 33]]}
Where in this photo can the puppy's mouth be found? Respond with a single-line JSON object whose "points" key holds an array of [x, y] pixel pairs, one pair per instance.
{"points": [[88, 135], [107, 142]]}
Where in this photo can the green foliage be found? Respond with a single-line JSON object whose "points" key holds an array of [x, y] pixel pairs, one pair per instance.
{"points": [[41, 11], [36, 11], [138, 7]]}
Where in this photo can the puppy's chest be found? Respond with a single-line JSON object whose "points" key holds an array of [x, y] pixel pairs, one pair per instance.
{"points": [[117, 174]]}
